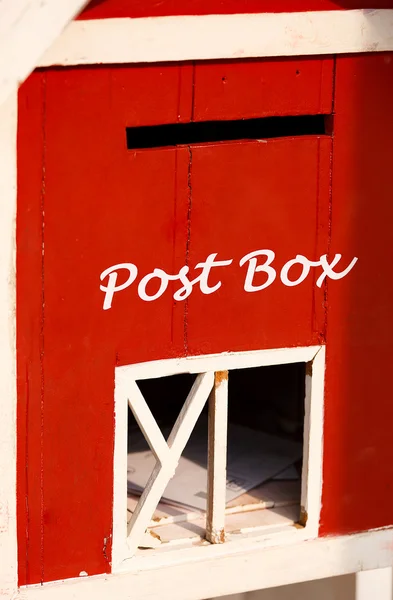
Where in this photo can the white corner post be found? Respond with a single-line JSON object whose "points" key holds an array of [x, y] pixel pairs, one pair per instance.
{"points": [[8, 547], [27, 29]]}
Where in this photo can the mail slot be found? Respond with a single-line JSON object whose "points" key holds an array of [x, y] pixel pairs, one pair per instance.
{"points": [[203, 319]]}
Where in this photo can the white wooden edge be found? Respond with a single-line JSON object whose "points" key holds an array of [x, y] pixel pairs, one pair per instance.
{"points": [[217, 459], [216, 570], [8, 544], [313, 441], [121, 553], [115, 41], [27, 29], [217, 362]]}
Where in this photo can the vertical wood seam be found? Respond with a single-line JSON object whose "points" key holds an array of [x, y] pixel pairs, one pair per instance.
{"points": [[174, 303], [42, 345], [314, 323], [27, 508], [188, 242], [330, 202]]}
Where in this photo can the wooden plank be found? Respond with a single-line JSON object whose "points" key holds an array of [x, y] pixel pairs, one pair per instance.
{"points": [[217, 459], [263, 88], [86, 164], [358, 410], [29, 305], [290, 214], [135, 103]]}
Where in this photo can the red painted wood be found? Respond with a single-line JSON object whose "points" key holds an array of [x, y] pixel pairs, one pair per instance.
{"points": [[358, 451], [102, 205], [104, 9], [238, 90], [248, 196], [85, 203], [31, 157], [152, 95]]}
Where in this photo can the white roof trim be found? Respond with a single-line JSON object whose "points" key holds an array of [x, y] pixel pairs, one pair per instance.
{"points": [[221, 37]]}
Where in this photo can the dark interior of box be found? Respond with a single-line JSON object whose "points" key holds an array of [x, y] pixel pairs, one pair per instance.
{"points": [[200, 132], [267, 399]]}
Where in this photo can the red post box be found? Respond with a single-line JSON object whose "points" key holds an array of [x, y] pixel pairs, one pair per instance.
{"points": [[203, 300]]}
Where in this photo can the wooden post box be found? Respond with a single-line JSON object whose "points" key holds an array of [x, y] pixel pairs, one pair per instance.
{"points": [[203, 298]]}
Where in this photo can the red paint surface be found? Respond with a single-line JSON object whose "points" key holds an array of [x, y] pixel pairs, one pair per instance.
{"points": [[104, 204], [358, 450], [105, 9], [248, 196], [239, 90], [29, 328]]}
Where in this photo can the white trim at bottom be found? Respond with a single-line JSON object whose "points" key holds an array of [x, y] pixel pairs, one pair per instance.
{"points": [[116, 41], [212, 574]]}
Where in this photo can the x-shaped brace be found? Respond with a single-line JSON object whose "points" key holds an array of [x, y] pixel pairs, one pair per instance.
{"points": [[168, 452]]}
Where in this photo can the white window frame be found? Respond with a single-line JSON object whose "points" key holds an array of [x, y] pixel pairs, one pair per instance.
{"points": [[123, 548]]}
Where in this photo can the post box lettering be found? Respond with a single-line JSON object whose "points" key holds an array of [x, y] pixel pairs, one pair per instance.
{"points": [[112, 274], [259, 261], [253, 268]]}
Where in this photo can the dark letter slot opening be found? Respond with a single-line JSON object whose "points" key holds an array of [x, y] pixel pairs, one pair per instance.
{"points": [[183, 134]]}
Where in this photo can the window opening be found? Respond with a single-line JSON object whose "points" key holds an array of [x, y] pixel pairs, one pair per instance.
{"points": [[241, 466], [266, 404]]}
